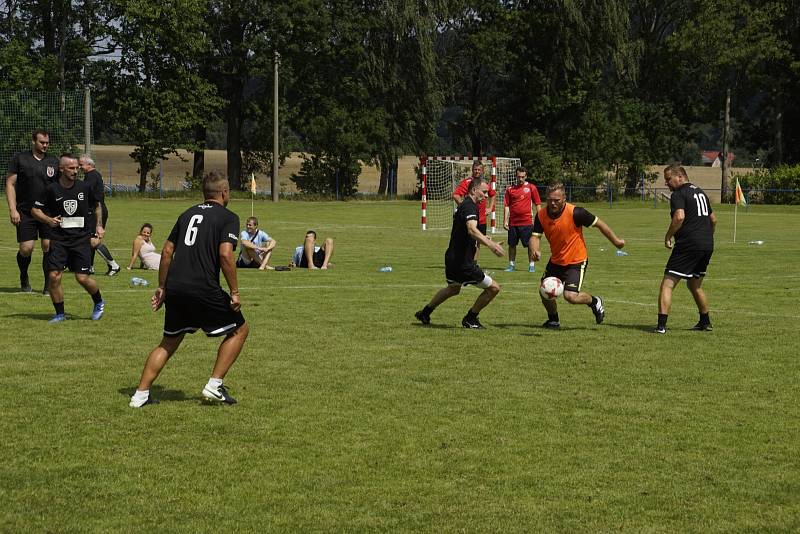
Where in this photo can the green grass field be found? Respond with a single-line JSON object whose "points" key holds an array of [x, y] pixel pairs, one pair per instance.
{"points": [[352, 417]]}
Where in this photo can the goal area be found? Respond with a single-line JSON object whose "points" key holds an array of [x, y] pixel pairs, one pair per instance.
{"points": [[65, 114], [442, 174]]}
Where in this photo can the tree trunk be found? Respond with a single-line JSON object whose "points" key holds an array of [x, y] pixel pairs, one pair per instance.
{"points": [[142, 178], [778, 158], [384, 181], [198, 166], [234, 148]]}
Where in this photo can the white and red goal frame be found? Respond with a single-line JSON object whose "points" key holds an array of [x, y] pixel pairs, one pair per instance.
{"points": [[488, 161]]}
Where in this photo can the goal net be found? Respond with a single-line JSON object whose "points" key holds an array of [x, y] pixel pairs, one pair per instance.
{"points": [[442, 174], [66, 115]]}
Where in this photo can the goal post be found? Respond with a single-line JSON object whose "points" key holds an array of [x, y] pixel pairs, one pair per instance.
{"points": [[440, 175], [65, 114]]}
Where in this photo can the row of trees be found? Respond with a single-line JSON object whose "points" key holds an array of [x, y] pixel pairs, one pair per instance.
{"points": [[586, 86]]}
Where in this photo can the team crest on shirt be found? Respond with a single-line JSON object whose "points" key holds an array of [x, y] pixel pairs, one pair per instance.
{"points": [[70, 206], [80, 196], [526, 190], [51, 171]]}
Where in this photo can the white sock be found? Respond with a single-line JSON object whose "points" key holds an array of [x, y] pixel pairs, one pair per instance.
{"points": [[531, 264], [141, 395], [214, 383], [512, 263], [114, 264]]}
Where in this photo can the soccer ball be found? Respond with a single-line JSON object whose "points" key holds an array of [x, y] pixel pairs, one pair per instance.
{"points": [[551, 288]]}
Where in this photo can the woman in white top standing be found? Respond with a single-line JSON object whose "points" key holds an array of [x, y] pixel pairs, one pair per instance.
{"points": [[144, 249]]}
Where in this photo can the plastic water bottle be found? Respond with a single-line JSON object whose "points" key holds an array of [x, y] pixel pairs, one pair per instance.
{"points": [[136, 281], [759, 242], [622, 253], [385, 269]]}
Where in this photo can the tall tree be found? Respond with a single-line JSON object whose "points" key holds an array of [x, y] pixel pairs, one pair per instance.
{"points": [[159, 96]]}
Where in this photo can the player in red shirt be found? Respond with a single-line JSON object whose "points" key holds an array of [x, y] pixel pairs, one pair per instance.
{"points": [[461, 192], [518, 202]]}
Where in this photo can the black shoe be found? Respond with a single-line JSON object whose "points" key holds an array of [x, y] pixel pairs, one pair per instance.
{"points": [[25, 284], [660, 330], [219, 394], [598, 311], [112, 272], [422, 317], [703, 326], [471, 323], [552, 325]]}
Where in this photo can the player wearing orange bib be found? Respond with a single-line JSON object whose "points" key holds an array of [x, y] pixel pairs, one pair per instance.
{"points": [[562, 223]]}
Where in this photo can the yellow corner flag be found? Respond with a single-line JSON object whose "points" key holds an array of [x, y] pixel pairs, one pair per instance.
{"points": [[253, 184], [740, 195]]}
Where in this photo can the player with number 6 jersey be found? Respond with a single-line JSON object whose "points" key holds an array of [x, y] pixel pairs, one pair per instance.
{"points": [[200, 245]]}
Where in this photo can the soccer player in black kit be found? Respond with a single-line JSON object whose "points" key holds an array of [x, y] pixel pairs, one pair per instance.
{"points": [[95, 180], [201, 243], [459, 260], [63, 207], [692, 229], [29, 173]]}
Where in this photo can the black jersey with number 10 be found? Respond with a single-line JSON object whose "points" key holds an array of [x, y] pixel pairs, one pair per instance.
{"points": [[696, 233], [197, 236]]}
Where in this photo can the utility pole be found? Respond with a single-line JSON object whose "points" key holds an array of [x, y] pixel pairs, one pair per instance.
{"points": [[275, 129], [87, 119], [726, 171]]}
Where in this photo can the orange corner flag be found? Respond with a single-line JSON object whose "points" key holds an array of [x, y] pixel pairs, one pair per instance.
{"points": [[740, 195], [253, 184]]}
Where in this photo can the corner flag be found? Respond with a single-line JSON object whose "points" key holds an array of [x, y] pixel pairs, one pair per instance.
{"points": [[740, 195], [253, 184]]}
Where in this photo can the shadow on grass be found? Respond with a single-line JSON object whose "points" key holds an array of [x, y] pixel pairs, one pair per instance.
{"points": [[641, 328], [44, 316], [162, 395], [434, 326], [16, 290]]}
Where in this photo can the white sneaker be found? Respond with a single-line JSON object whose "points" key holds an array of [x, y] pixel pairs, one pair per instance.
{"points": [[218, 394]]}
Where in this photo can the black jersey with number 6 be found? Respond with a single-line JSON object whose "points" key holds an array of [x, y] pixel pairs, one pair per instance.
{"points": [[696, 233], [197, 235]]}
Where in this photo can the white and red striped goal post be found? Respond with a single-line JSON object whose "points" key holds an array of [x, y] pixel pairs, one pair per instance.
{"points": [[423, 164]]}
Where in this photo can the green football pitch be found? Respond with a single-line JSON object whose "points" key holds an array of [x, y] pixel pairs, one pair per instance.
{"points": [[353, 417]]}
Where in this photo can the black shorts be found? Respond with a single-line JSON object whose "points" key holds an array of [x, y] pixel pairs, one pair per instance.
{"points": [[240, 263], [517, 234], [688, 263], [77, 255], [29, 229], [465, 275], [571, 275], [211, 312], [92, 219], [318, 258]]}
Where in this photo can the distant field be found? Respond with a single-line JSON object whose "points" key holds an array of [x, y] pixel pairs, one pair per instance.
{"points": [[115, 161], [354, 418]]}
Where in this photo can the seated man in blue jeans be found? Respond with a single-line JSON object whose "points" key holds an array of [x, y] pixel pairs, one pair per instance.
{"points": [[312, 256]]}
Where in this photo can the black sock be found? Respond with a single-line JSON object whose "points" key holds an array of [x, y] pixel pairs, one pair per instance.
{"points": [[45, 257], [704, 319], [105, 253], [59, 306], [662, 320], [593, 303], [23, 263], [427, 310], [552, 317], [96, 297], [471, 315]]}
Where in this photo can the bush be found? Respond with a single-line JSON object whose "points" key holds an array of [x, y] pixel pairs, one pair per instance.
{"points": [[328, 175], [771, 186]]}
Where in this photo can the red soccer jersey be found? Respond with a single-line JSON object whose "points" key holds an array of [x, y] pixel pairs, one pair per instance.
{"points": [[518, 199], [463, 189]]}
